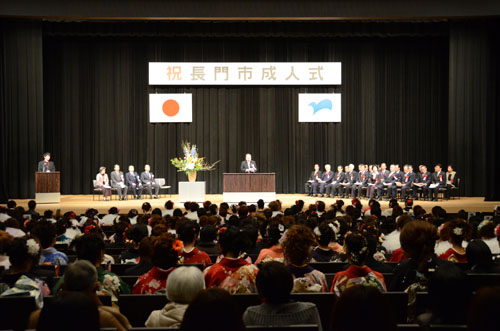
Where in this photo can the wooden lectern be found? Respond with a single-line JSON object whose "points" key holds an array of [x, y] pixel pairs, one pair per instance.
{"points": [[48, 187], [249, 187]]}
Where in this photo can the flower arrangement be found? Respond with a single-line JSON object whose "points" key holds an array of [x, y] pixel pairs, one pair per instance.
{"points": [[191, 162]]}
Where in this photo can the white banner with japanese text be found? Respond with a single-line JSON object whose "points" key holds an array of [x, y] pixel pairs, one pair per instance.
{"points": [[245, 73]]}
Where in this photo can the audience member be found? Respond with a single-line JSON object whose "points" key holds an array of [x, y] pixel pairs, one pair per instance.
{"points": [[274, 284], [479, 258], [206, 306], [233, 273], [325, 234], [164, 259], [362, 308], [208, 238], [184, 284], [456, 231], [274, 231], [45, 231], [297, 244], [357, 273], [188, 234]]}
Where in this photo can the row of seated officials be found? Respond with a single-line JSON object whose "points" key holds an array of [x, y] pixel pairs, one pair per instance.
{"points": [[376, 180], [161, 254]]}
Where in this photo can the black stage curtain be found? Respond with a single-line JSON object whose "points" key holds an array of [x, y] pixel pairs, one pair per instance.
{"points": [[96, 101], [473, 101], [21, 107], [398, 95]]}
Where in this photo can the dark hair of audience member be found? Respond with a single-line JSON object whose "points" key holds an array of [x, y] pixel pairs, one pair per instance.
{"points": [[11, 204], [132, 213], [146, 207], [69, 311], [484, 309], [194, 206], [156, 211], [32, 204], [487, 231], [137, 232], [260, 204], [464, 234], [188, 231], [90, 247], [20, 259], [169, 205], [297, 244], [479, 257], [449, 295], [209, 303], [418, 239], [120, 229], [178, 212], [234, 242], [273, 233], [208, 233], [362, 308], [163, 254], [274, 282], [45, 231], [356, 248], [243, 212], [326, 234]]}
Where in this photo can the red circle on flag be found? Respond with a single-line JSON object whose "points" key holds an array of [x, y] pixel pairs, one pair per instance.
{"points": [[170, 107]]}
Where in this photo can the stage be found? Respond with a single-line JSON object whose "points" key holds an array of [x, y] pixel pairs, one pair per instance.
{"points": [[80, 203]]}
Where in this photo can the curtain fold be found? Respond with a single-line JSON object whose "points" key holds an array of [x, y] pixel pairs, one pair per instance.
{"points": [[21, 105]]}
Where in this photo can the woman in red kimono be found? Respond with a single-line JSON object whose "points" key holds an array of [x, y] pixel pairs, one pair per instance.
{"points": [[164, 259], [233, 273], [189, 254], [457, 231]]}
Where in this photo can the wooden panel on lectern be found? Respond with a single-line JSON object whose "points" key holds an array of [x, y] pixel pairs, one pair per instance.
{"points": [[241, 182], [47, 182]]}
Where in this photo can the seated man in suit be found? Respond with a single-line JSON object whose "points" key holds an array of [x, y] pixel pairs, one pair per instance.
{"points": [[451, 176], [148, 180], [361, 181], [382, 175], [407, 181], [248, 166], [326, 179], [313, 178], [45, 165], [349, 180], [134, 182], [421, 183], [338, 178], [118, 182], [390, 183], [438, 181]]}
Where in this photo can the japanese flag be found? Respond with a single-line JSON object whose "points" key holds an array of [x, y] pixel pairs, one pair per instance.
{"points": [[171, 108]]}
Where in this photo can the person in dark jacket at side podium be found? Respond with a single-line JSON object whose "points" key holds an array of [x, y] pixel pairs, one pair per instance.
{"points": [[46, 165]]}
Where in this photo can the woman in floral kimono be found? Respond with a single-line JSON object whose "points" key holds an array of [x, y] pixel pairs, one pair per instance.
{"points": [[233, 273], [297, 245]]}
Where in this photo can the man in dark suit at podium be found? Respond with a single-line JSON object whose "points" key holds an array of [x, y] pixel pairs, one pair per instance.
{"points": [[46, 165], [248, 165]]}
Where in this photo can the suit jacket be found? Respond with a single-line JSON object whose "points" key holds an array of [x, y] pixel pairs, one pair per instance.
{"points": [[117, 178], [439, 178], [351, 177], [315, 175], [244, 165], [451, 178], [132, 178], [327, 177], [43, 167], [424, 178], [147, 178], [339, 177], [408, 179], [363, 178]]}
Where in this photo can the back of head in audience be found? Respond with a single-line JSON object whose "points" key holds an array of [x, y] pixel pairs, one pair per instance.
{"points": [[188, 231], [484, 310], [164, 256], [90, 247], [206, 306], [184, 284], [418, 239], [449, 295], [69, 311], [233, 242], [362, 308], [80, 276], [479, 257], [274, 282], [297, 244], [45, 231], [356, 248]]}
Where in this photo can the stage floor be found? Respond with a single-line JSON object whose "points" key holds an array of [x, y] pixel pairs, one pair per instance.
{"points": [[80, 203]]}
